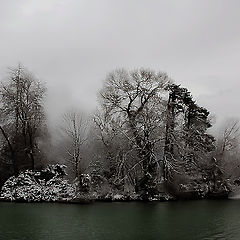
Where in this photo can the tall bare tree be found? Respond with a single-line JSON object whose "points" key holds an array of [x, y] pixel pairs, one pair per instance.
{"points": [[22, 114], [75, 128], [134, 102]]}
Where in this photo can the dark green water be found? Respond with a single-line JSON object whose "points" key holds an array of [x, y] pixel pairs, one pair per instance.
{"points": [[102, 221]]}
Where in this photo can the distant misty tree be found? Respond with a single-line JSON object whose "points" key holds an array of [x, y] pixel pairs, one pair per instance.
{"points": [[75, 127], [228, 140], [22, 116], [228, 149]]}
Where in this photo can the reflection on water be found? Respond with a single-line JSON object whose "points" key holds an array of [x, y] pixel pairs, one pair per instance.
{"points": [[193, 220]]}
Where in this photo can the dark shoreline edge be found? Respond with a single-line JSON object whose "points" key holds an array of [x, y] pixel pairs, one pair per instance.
{"points": [[84, 201]]}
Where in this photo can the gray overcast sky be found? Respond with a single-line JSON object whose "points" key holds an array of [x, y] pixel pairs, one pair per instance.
{"points": [[73, 44]]}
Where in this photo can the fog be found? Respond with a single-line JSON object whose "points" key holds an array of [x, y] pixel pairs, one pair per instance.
{"points": [[72, 45]]}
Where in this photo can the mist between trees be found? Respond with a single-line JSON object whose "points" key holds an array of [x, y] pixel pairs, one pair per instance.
{"points": [[148, 137]]}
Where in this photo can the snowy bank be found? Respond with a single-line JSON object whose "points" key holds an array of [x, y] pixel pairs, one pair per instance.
{"points": [[47, 185]]}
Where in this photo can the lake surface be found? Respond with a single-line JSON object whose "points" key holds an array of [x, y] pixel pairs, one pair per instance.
{"points": [[102, 221]]}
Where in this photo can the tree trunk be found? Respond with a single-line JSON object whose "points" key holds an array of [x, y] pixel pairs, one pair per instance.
{"points": [[76, 168], [170, 123], [31, 152], [15, 168]]}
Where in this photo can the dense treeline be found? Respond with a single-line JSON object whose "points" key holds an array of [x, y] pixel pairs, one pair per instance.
{"points": [[148, 137]]}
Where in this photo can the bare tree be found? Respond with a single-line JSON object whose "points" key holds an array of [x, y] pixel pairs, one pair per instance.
{"points": [[22, 113], [134, 103], [75, 129], [117, 150], [229, 137]]}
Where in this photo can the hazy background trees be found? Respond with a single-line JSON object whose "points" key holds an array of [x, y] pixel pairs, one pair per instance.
{"points": [[228, 149], [74, 131]]}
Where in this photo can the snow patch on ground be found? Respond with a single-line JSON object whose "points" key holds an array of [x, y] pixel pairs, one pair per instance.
{"points": [[27, 187]]}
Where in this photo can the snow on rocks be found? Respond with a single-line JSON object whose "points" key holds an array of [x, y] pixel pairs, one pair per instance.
{"points": [[118, 197], [49, 185], [29, 186]]}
